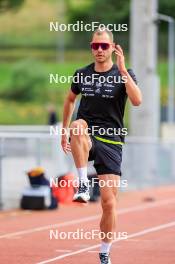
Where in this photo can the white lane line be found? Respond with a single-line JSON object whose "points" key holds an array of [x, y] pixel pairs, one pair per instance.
{"points": [[16, 237], [137, 234], [93, 251], [42, 228], [87, 219], [63, 250], [137, 240]]}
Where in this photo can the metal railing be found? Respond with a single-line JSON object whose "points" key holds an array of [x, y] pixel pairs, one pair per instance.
{"points": [[147, 162]]}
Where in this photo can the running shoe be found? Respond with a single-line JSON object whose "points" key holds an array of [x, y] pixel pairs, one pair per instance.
{"points": [[104, 258], [82, 195]]}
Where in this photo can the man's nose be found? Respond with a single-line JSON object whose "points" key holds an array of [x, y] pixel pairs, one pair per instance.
{"points": [[99, 49]]}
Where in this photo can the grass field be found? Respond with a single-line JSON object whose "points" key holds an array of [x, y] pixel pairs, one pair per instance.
{"points": [[68, 67], [13, 112]]}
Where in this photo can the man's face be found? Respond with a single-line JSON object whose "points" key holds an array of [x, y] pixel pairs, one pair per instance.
{"points": [[102, 55]]}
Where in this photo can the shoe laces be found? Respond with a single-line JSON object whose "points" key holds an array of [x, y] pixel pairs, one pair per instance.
{"points": [[83, 187]]}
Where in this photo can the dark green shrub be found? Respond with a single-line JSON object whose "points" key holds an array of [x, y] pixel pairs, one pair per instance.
{"points": [[27, 82]]}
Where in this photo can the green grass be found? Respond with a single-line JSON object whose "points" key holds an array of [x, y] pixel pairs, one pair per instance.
{"points": [[35, 112], [163, 74], [14, 113], [68, 68]]}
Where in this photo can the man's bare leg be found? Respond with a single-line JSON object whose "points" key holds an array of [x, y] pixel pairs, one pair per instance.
{"points": [[80, 146], [80, 142], [109, 204]]}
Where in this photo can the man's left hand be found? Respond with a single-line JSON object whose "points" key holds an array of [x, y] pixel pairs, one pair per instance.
{"points": [[120, 59]]}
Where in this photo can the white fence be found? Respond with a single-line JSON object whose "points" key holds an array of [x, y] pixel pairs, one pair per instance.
{"points": [[146, 162]]}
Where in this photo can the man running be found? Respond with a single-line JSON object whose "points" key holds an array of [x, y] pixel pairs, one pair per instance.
{"points": [[101, 112]]}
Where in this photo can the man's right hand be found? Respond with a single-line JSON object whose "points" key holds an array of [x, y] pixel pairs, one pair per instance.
{"points": [[65, 144]]}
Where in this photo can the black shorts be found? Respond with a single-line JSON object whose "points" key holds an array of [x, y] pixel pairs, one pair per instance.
{"points": [[107, 157]]}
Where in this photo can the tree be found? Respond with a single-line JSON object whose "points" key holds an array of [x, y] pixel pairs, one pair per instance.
{"points": [[102, 11], [167, 7]]}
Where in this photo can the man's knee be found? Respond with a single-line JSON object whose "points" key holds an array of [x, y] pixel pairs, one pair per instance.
{"points": [[78, 128], [79, 123], [109, 204]]}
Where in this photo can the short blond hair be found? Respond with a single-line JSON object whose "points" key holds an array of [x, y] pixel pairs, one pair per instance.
{"points": [[100, 30]]}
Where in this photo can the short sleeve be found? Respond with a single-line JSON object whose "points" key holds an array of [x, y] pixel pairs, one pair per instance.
{"points": [[75, 85], [131, 73]]}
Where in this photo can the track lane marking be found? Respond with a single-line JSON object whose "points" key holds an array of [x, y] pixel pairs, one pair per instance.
{"points": [[137, 234], [86, 219]]}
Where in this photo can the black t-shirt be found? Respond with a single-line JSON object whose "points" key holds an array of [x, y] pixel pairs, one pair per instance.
{"points": [[103, 99]]}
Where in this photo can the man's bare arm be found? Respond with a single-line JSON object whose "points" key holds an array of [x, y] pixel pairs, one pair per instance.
{"points": [[132, 89], [68, 109]]}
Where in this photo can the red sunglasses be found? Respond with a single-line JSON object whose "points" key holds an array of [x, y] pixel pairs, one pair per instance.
{"points": [[104, 46]]}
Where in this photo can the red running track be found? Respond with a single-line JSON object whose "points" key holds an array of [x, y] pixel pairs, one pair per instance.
{"points": [[147, 216]]}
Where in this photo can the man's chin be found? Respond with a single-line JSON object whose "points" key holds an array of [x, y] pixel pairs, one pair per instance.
{"points": [[100, 60]]}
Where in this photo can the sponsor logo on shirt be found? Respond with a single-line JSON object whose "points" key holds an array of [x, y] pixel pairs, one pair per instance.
{"points": [[107, 96], [87, 94], [87, 89], [108, 85], [98, 91], [98, 84]]}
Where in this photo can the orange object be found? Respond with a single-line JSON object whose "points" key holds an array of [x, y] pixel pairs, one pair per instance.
{"points": [[36, 172], [64, 191]]}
